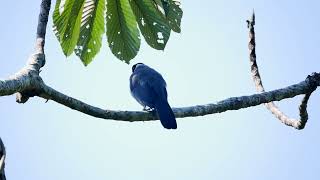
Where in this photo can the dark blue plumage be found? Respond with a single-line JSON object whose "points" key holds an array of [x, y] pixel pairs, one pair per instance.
{"points": [[148, 87]]}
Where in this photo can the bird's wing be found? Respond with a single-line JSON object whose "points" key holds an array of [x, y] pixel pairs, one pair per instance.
{"points": [[156, 82], [141, 91]]}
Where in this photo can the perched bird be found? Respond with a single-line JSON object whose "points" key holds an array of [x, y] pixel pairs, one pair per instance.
{"points": [[148, 87]]}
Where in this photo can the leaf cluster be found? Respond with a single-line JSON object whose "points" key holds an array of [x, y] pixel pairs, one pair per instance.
{"points": [[79, 25]]}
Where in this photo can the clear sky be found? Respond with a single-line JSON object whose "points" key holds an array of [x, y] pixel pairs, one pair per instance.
{"points": [[206, 63]]}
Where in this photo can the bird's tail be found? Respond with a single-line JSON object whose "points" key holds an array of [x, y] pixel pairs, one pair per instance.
{"points": [[166, 115]]}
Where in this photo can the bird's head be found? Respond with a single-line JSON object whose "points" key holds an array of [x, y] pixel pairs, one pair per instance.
{"points": [[136, 65]]}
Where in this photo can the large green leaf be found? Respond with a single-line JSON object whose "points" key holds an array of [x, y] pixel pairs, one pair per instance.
{"points": [[152, 23], [122, 31], [91, 30], [67, 20]]}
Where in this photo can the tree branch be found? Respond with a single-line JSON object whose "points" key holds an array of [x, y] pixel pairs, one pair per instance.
{"points": [[27, 82], [233, 103], [298, 124], [42, 25], [37, 60]]}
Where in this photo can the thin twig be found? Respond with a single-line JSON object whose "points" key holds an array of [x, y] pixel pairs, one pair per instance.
{"points": [[2, 160], [298, 124], [42, 25]]}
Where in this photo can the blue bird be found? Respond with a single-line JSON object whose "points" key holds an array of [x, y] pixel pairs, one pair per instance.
{"points": [[148, 87]]}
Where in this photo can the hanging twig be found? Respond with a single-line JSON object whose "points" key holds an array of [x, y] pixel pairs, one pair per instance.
{"points": [[298, 124]]}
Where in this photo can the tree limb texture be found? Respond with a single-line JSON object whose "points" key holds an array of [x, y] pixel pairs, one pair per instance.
{"points": [[233, 103], [298, 124], [37, 60]]}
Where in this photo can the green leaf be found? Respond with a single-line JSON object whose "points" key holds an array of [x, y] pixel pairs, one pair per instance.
{"points": [[152, 23], [171, 9], [67, 19], [161, 6], [122, 31], [91, 30], [56, 14], [174, 15]]}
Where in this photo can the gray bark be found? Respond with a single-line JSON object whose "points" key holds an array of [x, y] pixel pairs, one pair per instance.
{"points": [[233, 103]]}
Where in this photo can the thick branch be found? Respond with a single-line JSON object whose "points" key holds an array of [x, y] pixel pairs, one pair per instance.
{"points": [[233, 103], [27, 82], [298, 124], [26, 79], [36, 61]]}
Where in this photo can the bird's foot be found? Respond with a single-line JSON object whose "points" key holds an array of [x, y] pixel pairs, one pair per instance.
{"points": [[148, 109]]}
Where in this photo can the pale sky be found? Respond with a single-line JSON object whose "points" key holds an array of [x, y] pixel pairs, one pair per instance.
{"points": [[207, 62]]}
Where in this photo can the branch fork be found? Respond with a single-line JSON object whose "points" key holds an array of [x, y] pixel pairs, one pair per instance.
{"points": [[31, 74]]}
